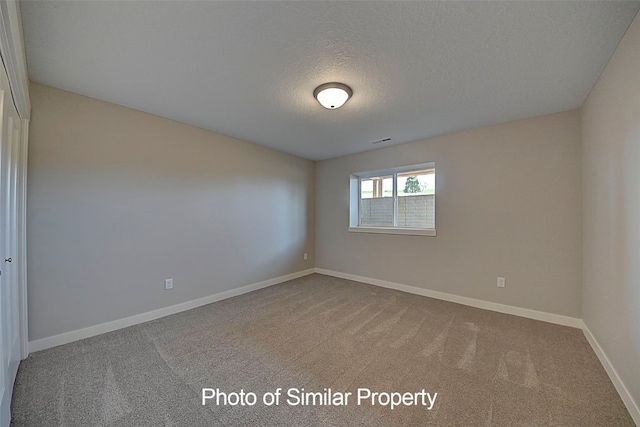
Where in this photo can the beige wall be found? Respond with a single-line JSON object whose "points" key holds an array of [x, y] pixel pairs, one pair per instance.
{"points": [[611, 180], [508, 203], [119, 200]]}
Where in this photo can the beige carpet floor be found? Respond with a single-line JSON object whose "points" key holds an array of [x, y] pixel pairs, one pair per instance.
{"points": [[317, 332]]}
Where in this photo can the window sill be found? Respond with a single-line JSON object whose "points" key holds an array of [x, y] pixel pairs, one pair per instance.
{"points": [[394, 230]]}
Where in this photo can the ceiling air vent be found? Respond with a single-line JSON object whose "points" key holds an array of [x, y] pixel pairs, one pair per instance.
{"points": [[380, 141]]}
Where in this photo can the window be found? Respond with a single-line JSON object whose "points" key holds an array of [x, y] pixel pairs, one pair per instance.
{"points": [[395, 201]]}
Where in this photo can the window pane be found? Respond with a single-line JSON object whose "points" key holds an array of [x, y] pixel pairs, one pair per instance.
{"points": [[387, 186], [376, 201], [417, 183], [366, 189], [416, 199]]}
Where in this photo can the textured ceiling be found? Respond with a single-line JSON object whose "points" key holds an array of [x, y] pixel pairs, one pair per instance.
{"points": [[248, 69]]}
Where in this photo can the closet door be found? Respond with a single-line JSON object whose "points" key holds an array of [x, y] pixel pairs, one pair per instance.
{"points": [[9, 290]]}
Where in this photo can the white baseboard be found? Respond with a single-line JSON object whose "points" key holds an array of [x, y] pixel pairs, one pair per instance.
{"points": [[91, 331], [501, 308], [631, 405]]}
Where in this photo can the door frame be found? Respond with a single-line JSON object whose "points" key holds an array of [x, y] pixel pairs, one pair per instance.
{"points": [[21, 201]]}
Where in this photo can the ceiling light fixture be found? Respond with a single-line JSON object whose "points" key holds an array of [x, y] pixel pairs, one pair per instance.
{"points": [[332, 95]]}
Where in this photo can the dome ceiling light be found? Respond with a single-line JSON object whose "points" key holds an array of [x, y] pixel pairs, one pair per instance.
{"points": [[332, 95]]}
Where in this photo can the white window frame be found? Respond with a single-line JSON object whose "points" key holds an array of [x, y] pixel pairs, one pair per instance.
{"points": [[355, 201]]}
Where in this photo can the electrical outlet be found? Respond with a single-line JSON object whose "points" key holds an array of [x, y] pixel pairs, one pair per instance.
{"points": [[305, 256], [501, 282], [168, 284]]}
